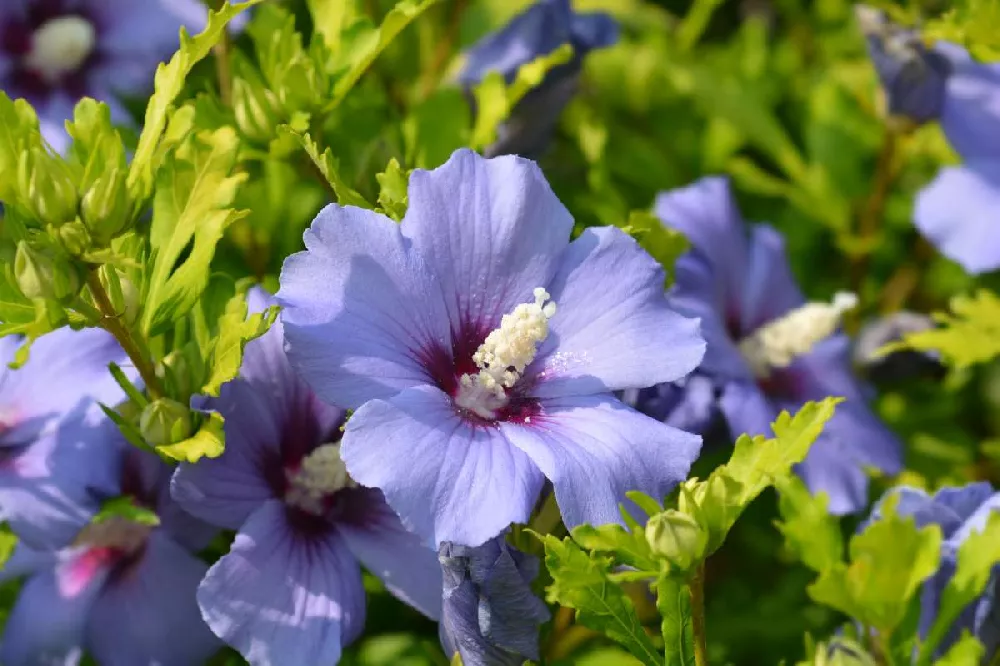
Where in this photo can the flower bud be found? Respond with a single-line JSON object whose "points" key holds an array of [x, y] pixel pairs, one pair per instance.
{"points": [[40, 274], [165, 421], [74, 237], [130, 298], [105, 206], [677, 537], [256, 110], [46, 187]]}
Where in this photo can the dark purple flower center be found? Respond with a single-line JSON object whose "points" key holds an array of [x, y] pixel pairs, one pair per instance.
{"points": [[446, 368], [52, 48]]}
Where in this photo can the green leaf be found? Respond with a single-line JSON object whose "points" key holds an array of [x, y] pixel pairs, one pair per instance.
{"points": [[125, 507], [330, 17], [207, 442], [975, 24], [328, 167], [664, 244], [495, 99], [673, 600], [581, 581], [756, 462], [976, 558], [809, 529], [193, 194], [888, 562], [967, 336], [169, 83], [392, 190], [368, 48], [436, 127], [629, 548], [8, 542], [967, 650], [236, 329]]}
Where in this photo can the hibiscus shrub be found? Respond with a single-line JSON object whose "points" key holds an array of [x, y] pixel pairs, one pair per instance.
{"points": [[494, 332]]}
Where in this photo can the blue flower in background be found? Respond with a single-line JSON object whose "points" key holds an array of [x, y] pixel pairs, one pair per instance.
{"points": [[768, 350], [55, 52], [959, 512], [537, 31], [120, 590], [480, 348], [65, 373], [957, 211], [289, 591], [491, 617]]}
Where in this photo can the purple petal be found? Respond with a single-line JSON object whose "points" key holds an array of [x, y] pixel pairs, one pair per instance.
{"points": [[706, 213], [279, 599], [971, 105], [24, 561], [594, 449], [769, 290], [613, 328], [379, 541], [695, 293], [832, 468], [746, 409], [147, 614], [65, 367], [359, 307], [447, 478], [957, 213], [46, 625], [224, 491], [492, 230]]}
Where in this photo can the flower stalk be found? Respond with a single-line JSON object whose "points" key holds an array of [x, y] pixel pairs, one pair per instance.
{"points": [[698, 616]]}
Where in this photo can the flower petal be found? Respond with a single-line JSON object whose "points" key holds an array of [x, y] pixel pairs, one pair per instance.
{"points": [[280, 599], [65, 368], [447, 478], [613, 328], [594, 449], [746, 409], [971, 104], [359, 308], [377, 538], [832, 468], [492, 230], [46, 625], [147, 614], [706, 213], [957, 213], [769, 290]]}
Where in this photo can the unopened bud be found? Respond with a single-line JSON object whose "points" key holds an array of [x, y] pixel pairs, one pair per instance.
{"points": [[41, 274], [165, 421], [105, 206], [74, 237], [46, 187], [130, 298], [256, 110], [677, 537]]}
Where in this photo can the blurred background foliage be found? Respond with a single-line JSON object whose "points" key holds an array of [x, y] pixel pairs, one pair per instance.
{"points": [[777, 94]]}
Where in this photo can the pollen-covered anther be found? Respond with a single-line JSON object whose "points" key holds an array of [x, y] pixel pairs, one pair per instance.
{"points": [[778, 343], [60, 46], [319, 476], [504, 355]]}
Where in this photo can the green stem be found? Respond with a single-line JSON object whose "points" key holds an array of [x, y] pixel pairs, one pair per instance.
{"points": [[223, 62], [111, 322], [698, 616], [874, 206]]}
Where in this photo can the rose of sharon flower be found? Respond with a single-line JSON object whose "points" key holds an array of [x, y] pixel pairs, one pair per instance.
{"points": [[65, 373], [119, 589], [957, 211], [537, 31], [480, 348], [55, 52], [491, 617], [289, 592], [959, 512], [768, 349]]}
